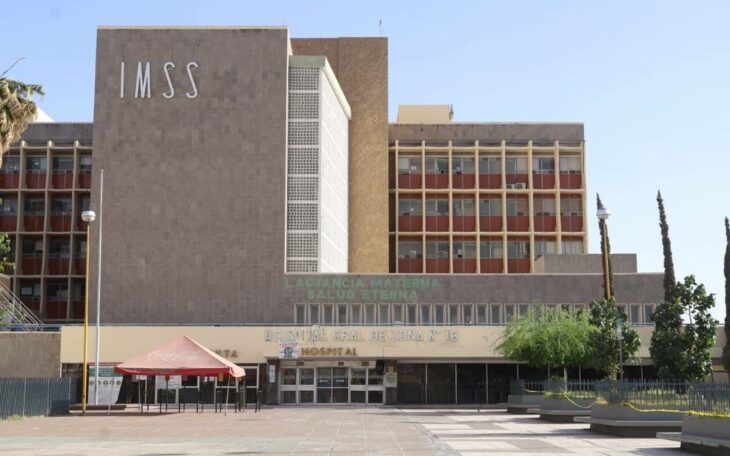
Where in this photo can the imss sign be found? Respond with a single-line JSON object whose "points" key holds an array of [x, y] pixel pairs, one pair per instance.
{"points": [[143, 86]]}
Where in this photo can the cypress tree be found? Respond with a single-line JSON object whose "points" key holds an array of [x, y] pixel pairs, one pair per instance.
{"points": [[669, 278], [603, 229], [726, 349]]}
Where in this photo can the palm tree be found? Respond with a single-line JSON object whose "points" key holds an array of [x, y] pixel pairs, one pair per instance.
{"points": [[17, 109]]}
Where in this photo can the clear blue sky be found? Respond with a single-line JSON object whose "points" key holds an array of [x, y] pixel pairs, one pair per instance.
{"points": [[650, 80]]}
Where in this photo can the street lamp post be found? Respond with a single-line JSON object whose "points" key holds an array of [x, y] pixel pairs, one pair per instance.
{"points": [[98, 290], [87, 217], [603, 214], [620, 336]]}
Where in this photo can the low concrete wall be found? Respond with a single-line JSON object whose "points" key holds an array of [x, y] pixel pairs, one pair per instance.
{"points": [[525, 399], [624, 413], [706, 426], [30, 354], [562, 404]]}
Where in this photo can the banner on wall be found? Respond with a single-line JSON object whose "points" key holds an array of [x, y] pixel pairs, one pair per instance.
{"points": [[288, 349], [110, 383]]}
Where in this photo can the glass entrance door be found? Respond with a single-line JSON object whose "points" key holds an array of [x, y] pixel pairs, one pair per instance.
{"points": [[330, 385]]}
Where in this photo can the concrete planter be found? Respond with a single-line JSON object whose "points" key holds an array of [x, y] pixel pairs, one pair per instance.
{"points": [[520, 403], [626, 421], [706, 435], [561, 410]]}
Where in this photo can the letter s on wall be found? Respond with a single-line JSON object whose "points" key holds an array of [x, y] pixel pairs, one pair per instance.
{"points": [[194, 93], [167, 67]]}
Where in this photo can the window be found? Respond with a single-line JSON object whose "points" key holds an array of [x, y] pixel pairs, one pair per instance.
{"points": [[437, 165], [437, 249], [509, 312], [63, 164], [61, 206], [490, 207], [59, 247], [463, 207], [85, 164], [369, 314], [57, 291], [635, 313], [306, 376], [467, 312], [300, 309], [569, 164], [516, 165], [425, 314], [544, 206], [31, 290], [37, 164], [410, 249], [327, 316], [32, 247], [465, 249], [9, 206], [342, 314], [490, 165], [572, 247], [523, 309], [495, 314], [571, 206], [543, 165], [517, 207], [622, 310], [35, 205], [314, 313], [412, 314], [408, 206], [355, 314], [481, 314], [84, 204], [518, 249], [409, 165], [384, 314], [439, 314], [648, 313], [398, 314], [289, 376], [437, 207], [454, 314], [491, 249], [11, 164], [462, 165], [545, 247]]}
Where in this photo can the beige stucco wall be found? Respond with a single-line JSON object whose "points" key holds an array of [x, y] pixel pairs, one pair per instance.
{"points": [[30, 354], [256, 344]]}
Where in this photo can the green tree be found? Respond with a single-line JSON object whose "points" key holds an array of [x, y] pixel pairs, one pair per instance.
{"points": [[669, 278], [603, 229], [681, 349], [726, 348], [547, 338], [604, 342]]}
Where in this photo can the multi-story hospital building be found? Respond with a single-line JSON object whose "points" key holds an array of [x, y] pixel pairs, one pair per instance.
{"points": [[255, 195]]}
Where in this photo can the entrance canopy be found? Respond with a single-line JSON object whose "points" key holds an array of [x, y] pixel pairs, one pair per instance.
{"points": [[182, 356]]}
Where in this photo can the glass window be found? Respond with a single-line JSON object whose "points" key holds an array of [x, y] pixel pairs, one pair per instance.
{"points": [[437, 249], [324, 377], [61, 206], [11, 164], [412, 314], [357, 376], [355, 314], [462, 165], [454, 314], [36, 163], [410, 206], [342, 314], [327, 316], [516, 165], [85, 163], [398, 314], [543, 165], [467, 313], [545, 247], [9, 206], [60, 246], [517, 206], [84, 204], [544, 206], [32, 246], [439, 315], [570, 164], [35, 205], [509, 312], [306, 397], [495, 314], [481, 314], [409, 165], [635, 314], [491, 249], [410, 249], [314, 313], [437, 207], [425, 314], [622, 310], [490, 207], [571, 206], [63, 164], [289, 376], [288, 397], [300, 309], [465, 249], [648, 313], [384, 314], [374, 378], [437, 165], [370, 314], [490, 165], [518, 249], [463, 207], [572, 247], [524, 308]]}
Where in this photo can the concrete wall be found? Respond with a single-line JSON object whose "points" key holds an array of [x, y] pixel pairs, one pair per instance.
{"points": [[361, 67], [30, 354], [487, 131], [584, 264], [59, 131]]}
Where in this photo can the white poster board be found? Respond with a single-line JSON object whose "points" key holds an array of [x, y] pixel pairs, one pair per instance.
{"points": [[288, 349], [174, 383], [109, 385]]}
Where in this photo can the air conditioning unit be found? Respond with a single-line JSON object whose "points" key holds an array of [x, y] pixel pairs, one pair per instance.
{"points": [[510, 186], [521, 185]]}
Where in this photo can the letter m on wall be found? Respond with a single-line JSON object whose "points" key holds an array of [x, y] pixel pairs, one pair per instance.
{"points": [[142, 89]]}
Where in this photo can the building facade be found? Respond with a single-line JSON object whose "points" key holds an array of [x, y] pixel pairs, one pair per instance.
{"points": [[255, 197]]}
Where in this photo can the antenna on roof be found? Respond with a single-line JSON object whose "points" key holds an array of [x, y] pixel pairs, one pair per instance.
{"points": [[380, 27]]}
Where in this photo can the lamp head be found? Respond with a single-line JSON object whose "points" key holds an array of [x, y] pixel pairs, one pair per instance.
{"points": [[88, 216], [603, 213]]}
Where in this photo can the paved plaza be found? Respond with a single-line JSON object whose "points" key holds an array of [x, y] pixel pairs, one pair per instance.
{"points": [[316, 430]]}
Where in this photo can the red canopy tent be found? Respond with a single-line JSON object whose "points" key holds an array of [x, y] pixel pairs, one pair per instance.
{"points": [[182, 356]]}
